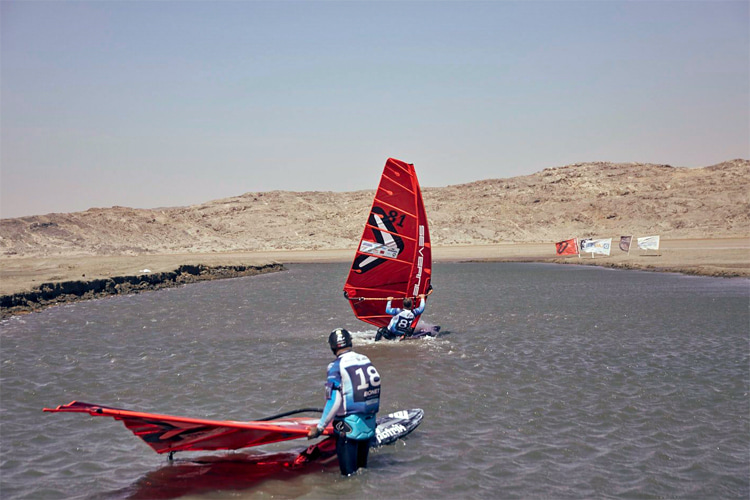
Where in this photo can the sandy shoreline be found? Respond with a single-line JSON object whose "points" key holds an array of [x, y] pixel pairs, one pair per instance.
{"points": [[726, 257], [710, 257]]}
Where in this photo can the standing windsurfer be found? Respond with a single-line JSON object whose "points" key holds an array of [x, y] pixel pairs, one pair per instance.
{"points": [[352, 402], [404, 320]]}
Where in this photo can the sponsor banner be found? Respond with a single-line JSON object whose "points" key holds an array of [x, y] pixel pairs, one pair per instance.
{"points": [[567, 247], [648, 243], [625, 243], [600, 246]]}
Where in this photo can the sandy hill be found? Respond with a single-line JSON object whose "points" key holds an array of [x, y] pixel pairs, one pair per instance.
{"points": [[582, 200]]}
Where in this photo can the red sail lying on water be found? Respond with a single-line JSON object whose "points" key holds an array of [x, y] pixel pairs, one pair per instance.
{"points": [[394, 257], [166, 433]]}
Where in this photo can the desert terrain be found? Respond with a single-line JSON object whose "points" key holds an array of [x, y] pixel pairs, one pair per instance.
{"points": [[701, 214]]}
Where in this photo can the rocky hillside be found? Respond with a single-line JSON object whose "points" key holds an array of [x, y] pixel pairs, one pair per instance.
{"points": [[583, 200]]}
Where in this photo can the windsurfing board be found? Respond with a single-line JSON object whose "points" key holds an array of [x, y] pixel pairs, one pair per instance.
{"points": [[396, 425], [425, 331]]}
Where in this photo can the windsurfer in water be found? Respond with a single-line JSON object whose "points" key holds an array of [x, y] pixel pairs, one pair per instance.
{"points": [[352, 403], [404, 320]]}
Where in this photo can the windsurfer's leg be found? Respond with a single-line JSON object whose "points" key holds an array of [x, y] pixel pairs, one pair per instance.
{"points": [[346, 450], [363, 449], [380, 333]]}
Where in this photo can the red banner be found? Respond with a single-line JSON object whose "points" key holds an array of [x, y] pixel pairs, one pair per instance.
{"points": [[567, 247]]}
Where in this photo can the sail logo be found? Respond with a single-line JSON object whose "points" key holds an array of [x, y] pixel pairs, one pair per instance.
{"points": [[387, 245], [420, 262]]}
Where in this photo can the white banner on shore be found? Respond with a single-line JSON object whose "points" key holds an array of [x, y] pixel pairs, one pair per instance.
{"points": [[600, 246], [648, 243]]}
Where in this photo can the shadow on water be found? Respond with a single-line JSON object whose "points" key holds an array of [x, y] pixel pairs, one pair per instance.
{"points": [[230, 472]]}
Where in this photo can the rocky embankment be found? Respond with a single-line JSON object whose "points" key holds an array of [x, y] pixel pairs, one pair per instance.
{"points": [[48, 294]]}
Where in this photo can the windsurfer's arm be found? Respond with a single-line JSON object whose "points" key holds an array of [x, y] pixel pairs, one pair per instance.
{"points": [[422, 303], [329, 411], [391, 310]]}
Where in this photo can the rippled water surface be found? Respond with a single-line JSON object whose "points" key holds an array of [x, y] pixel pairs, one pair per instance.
{"points": [[550, 382]]}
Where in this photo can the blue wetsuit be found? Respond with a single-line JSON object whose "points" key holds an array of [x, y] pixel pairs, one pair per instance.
{"points": [[352, 402], [404, 320]]}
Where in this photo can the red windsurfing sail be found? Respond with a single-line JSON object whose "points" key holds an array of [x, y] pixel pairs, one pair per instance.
{"points": [[166, 433], [394, 257]]}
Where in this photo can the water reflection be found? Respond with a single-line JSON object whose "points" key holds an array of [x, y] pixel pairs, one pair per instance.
{"points": [[227, 472]]}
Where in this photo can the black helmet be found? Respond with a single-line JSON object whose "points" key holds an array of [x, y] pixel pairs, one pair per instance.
{"points": [[339, 339]]}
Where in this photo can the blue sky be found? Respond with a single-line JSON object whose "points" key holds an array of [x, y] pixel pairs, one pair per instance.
{"points": [[154, 104]]}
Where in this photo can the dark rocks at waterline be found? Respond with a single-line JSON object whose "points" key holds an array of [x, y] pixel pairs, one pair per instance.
{"points": [[49, 294]]}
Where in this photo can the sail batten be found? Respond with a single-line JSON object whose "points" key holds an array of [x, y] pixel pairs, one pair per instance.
{"points": [[403, 186], [385, 203], [414, 240], [394, 257]]}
